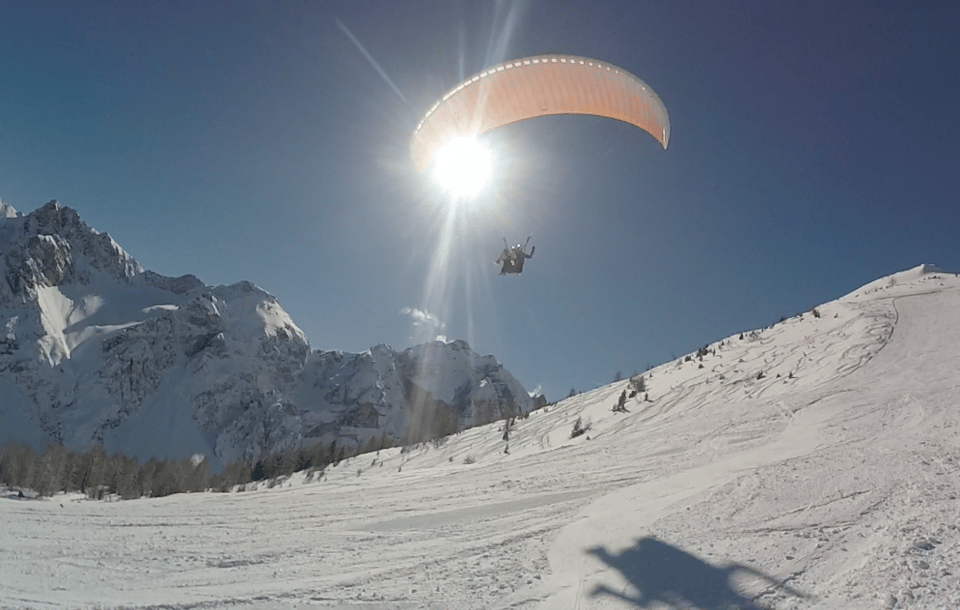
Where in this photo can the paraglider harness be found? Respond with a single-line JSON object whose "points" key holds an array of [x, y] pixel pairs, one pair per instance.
{"points": [[512, 259]]}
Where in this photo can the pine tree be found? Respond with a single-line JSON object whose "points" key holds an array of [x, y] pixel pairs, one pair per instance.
{"points": [[579, 428], [621, 405]]}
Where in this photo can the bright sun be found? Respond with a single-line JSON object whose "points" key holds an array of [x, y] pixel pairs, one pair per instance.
{"points": [[462, 167]]}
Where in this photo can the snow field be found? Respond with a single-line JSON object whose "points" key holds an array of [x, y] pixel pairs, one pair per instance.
{"points": [[831, 481]]}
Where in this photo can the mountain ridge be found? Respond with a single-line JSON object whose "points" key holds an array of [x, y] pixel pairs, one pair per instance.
{"points": [[96, 349]]}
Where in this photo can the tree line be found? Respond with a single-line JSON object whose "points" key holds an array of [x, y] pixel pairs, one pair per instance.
{"points": [[98, 475]]}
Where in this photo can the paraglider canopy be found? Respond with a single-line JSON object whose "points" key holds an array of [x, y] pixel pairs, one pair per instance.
{"points": [[537, 86]]}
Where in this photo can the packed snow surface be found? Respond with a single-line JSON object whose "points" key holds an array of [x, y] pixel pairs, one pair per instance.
{"points": [[812, 464]]}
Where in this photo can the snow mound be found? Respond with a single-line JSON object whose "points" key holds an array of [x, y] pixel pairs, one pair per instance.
{"points": [[901, 279]]}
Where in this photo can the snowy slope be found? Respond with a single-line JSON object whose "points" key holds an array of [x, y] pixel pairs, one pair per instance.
{"points": [[95, 349], [830, 481]]}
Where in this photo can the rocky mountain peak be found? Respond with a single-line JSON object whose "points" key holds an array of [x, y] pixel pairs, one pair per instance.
{"points": [[53, 246], [7, 211], [95, 349]]}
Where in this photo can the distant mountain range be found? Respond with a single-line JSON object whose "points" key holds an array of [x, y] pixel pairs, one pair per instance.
{"points": [[95, 349]]}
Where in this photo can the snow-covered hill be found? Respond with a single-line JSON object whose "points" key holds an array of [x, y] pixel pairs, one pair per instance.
{"points": [[812, 464], [93, 348]]}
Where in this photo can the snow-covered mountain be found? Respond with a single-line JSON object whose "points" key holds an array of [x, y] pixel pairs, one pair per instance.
{"points": [[811, 465], [93, 348]]}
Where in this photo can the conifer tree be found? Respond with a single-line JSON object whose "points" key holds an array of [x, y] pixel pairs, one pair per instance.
{"points": [[621, 405]]}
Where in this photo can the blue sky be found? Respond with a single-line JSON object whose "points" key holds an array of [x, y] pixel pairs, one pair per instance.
{"points": [[813, 149]]}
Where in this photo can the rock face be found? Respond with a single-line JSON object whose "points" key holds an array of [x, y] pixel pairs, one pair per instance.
{"points": [[93, 348]]}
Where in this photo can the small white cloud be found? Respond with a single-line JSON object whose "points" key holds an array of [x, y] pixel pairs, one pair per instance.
{"points": [[422, 318], [442, 338], [537, 391]]}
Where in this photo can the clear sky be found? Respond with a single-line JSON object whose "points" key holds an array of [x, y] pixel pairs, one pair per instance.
{"points": [[814, 148]]}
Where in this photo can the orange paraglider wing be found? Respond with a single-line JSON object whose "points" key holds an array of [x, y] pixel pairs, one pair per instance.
{"points": [[537, 86]]}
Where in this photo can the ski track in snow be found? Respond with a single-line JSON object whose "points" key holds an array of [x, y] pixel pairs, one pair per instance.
{"points": [[831, 481]]}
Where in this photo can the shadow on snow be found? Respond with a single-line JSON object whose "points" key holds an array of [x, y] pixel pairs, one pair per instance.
{"points": [[665, 574]]}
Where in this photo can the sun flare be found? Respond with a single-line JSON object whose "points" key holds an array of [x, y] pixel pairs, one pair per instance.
{"points": [[463, 167]]}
